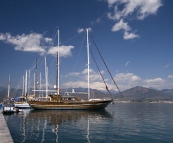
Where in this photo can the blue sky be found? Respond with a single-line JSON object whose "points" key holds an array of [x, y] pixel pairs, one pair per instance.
{"points": [[135, 38]]}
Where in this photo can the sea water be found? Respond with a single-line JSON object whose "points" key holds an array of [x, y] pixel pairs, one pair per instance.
{"points": [[121, 122]]}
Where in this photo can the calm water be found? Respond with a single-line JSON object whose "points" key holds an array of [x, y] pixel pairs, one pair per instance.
{"points": [[121, 122]]}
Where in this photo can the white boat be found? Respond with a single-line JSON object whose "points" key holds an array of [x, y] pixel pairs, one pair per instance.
{"points": [[21, 102], [10, 108], [22, 105]]}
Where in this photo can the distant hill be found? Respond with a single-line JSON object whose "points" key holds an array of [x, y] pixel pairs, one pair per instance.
{"points": [[135, 93], [143, 93], [167, 91], [2, 88]]}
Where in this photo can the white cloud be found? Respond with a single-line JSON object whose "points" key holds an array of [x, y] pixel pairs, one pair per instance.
{"points": [[35, 42], [170, 76], [127, 63], [64, 51], [93, 85], [32, 42], [121, 25], [126, 77], [111, 2], [123, 80], [128, 35], [89, 29], [3, 36], [80, 30], [166, 66], [98, 20], [155, 81], [139, 9], [94, 76], [143, 8], [72, 74]]}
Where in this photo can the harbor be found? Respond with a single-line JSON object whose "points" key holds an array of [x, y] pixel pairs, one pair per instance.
{"points": [[117, 123]]}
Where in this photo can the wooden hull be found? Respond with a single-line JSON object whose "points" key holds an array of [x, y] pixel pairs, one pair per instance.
{"points": [[40, 105]]}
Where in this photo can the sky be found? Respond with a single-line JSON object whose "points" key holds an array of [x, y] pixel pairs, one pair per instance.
{"points": [[135, 38]]}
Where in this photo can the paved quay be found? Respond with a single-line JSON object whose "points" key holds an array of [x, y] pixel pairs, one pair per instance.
{"points": [[5, 136]]}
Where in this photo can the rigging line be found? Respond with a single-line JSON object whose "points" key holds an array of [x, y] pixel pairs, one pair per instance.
{"points": [[50, 68], [67, 76], [71, 38], [100, 73], [17, 87], [106, 66], [78, 56]]}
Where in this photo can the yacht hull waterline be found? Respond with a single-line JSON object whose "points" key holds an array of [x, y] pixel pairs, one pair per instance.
{"points": [[86, 105], [23, 105]]}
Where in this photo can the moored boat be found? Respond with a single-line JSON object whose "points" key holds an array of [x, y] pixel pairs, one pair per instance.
{"points": [[60, 102], [56, 101], [9, 108]]}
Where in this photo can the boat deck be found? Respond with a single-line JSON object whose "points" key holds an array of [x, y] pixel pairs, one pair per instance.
{"points": [[5, 136]]}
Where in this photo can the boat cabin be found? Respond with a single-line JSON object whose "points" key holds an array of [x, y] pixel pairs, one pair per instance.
{"points": [[60, 98]]}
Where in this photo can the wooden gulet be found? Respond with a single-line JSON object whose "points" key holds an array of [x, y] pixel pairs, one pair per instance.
{"points": [[57, 101]]}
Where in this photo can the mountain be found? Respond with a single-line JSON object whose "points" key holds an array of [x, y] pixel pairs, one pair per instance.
{"points": [[167, 91], [94, 93], [2, 88], [135, 93], [143, 93]]}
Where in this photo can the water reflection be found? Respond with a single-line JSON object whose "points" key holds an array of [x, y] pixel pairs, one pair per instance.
{"points": [[56, 126], [118, 123]]}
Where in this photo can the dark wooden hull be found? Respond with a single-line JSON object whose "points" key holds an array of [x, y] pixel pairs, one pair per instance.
{"points": [[42, 105]]}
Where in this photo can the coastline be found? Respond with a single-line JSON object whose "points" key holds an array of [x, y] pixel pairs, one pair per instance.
{"points": [[143, 101]]}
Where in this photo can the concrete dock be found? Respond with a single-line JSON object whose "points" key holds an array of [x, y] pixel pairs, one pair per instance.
{"points": [[5, 136]]}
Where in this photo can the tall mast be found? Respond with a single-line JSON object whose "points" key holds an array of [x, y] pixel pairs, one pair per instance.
{"points": [[36, 78], [26, 83], [46, 77], [58, 64], [9, 87], [34, 86], [23, 90], [40, 85], [57, 73], [88, 66]]}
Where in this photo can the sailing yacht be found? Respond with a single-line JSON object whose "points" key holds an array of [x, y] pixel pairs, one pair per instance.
{"points": [[22, 101], [56, 101], [7, 107]]}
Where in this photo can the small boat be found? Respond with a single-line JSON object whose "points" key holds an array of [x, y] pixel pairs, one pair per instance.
{"points": [[10, 108], [56, 101], [21, 103]]}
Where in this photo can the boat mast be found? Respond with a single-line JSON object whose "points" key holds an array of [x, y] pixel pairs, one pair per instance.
{"points": [[26, 83], [58, 66], [36, 78], [46, 77], [40, 85], [9, 87], [34, 86], [88, 66], [23, 86]]}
